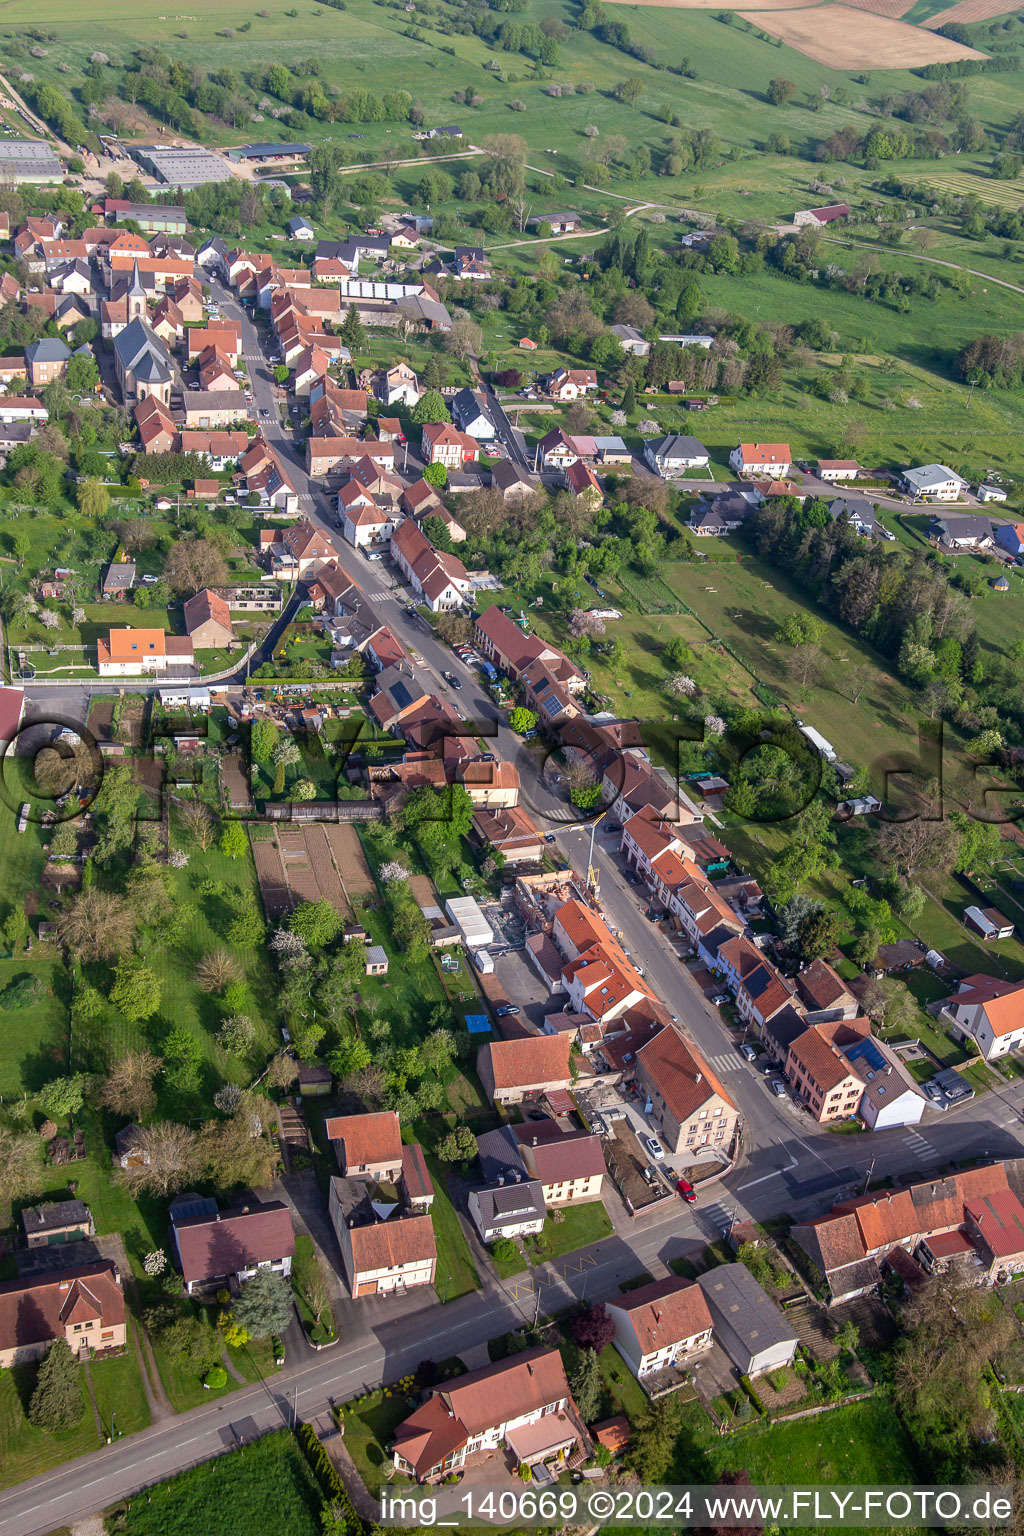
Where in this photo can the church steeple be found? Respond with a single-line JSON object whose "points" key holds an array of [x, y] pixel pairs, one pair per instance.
{"points": [[136, 296]]}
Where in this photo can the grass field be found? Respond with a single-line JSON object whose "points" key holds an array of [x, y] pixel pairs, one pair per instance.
{"points": [[242, 1486], [25, 1451], [849, 1445], [579, 1226]]}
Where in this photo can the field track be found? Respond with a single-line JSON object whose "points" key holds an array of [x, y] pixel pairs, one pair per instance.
{"points": [[842, 38]]}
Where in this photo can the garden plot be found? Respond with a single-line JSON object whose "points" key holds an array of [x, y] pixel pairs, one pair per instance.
{"points": [[350, 861], [299, 864]]}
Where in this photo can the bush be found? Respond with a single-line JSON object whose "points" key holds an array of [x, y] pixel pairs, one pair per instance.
{"points": [[21, 992], [217, 1377]]}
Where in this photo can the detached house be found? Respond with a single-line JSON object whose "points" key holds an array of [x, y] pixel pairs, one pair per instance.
{"points": [[661, 1325], [771, 459], [443, 443], [216, 1247], [674, 455], [987, 1012], [933, 482], [471, 415], [523, 1403], [84, 1306], [571, 383]]}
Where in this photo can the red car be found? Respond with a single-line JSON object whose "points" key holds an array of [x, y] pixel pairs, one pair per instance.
{"points": [[687, 1191]]}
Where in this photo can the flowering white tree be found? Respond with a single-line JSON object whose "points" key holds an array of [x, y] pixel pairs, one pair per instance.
{"points": [[714, 725], [155, 1263], [618, 418], [178, 859], [48, 619], [286, 945], [78, 615], [392, 871], [583, 623], [649, 426], [228, 1098], [682, 686]]}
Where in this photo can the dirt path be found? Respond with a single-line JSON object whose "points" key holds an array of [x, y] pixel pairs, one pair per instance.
{"points": [[934, 261], [156, 1397]]}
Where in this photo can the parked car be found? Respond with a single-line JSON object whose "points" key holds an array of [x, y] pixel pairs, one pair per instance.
{"points": [[149, 581], [931, 1091], [748, 1051], [549, 837], [687, 1191], [777, 1087], [720, 999], [654, 1147], [629, 875], [507, 1011]]}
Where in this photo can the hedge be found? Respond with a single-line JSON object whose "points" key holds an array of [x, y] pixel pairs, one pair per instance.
{"points": [[331, 1485]]}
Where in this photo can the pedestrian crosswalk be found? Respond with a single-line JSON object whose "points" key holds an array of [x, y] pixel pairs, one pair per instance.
{"points": [[719, 1215], [918, 1145], [728, 1061]]}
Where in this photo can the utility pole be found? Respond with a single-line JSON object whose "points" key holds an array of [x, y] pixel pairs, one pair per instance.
{"points": [[867, 1179]]}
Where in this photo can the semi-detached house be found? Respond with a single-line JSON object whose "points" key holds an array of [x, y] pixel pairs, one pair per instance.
{"points": [[440, 579], [661, 1325], [987, 1012]]}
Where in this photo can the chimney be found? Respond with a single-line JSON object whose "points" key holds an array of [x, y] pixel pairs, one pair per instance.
{"points": [[529, 1366], [534, 1142]]}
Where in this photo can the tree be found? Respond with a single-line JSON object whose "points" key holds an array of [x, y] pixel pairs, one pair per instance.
{"points": [[20, 1163], [780, 92], [57, 1402], [592, 1327], [980, 844], [350, 1057], [436, 475], [183, 1055], [430, 408], [97, 925], [653, 1441], [233, 842], [458, 1146], [200, 826], [263, 739], [241, 1150], [237, 1035], [504, 1250], [216, 970], [136, 990], [587, 1385], [522, 720], [630, 90], [128, 1086], [63, 1097], [247, 928], [92, 499], [194, 563], [265, 1305], [353, 332], [316, 923], [916, 845]]}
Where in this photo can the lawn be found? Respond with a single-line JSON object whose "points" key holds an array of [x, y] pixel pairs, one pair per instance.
{"points": [[627, 1394], [243, 1486], [25, 1452], [577, 1227], [456, 1273], [369, 1423], [182, 1383], [862, 1443]]}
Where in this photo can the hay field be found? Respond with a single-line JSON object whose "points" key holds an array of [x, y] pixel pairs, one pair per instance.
{"points": [[842, 38], [1000, 194], [971, 10], [894, 8]]}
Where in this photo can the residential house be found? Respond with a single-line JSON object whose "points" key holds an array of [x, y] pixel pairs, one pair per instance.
{"points": [[309, 547], [224, 336], [580, 480], [568, 1165], [300, 229], [510, 832], [490, 785], [831, 470], [1010, 537], [368, 1144], [84, 1306], [933, 482], [206, 410], [15, 408], [824, 994], [987, 1012], [969, 531], [691, 1108], [633, 342], [515, 653], [858, 511], [310, 366], [132, 652], [214, 1248], [772, 459], [64, 1221], [661, 1325], [511, 1070], [523, 1403], [222, 450], [208, 621], [674, 455], [46, 360], [850, 1244], [994, 1225], [470, 262], [510, 1209], [571, 383], [840, 1070], [559, 223], [557, 450], [442, 443], [118, 580], [991, 493], [471, 415], [397, 385], [510, 480], [385, 1250], [718, 516], [760, 990], [157, 431], [440, 579], [746, 1322]]}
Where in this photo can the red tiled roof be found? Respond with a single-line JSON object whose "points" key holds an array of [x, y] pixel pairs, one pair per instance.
{"points": [[372, 1138], [531, 1062], [665, 1313], [680, 1074]]}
